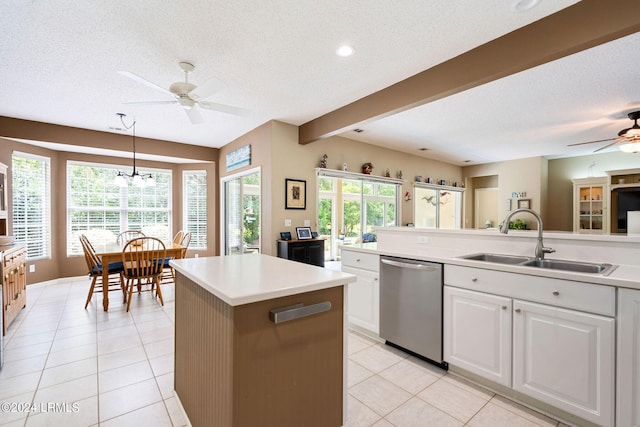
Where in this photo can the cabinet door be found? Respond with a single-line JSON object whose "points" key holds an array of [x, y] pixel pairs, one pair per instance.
{"points": [[477, 333], [628, 375], [565, 358], [363, 303], [298, 253]]}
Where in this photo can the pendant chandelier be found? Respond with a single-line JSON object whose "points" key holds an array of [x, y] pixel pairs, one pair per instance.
{"points": [[139, 180]]}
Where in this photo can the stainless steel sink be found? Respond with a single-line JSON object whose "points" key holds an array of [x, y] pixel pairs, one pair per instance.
{"points": [[499, 258], [551, 264], [574, 266]]}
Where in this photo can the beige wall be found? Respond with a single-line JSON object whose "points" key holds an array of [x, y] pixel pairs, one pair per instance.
{"points": [[562, 171], [523, 175]]}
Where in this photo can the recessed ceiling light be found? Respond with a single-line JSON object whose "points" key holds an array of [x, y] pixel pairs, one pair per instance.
{"points": [[345, 50], [524, 5]]}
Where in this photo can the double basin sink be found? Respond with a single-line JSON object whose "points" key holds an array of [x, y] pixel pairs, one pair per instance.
{"points": [[551, 264]]}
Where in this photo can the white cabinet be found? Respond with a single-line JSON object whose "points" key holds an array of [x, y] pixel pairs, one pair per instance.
{"points": [[562, 348], [363, 301], [565, 358], [477, 328], [590, 205], [628, 361]]}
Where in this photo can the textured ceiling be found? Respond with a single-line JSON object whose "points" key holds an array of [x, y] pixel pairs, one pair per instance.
{"points": [[60, 63]]}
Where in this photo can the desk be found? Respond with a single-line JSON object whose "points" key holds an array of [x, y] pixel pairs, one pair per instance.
{"points": [[112, 252]]}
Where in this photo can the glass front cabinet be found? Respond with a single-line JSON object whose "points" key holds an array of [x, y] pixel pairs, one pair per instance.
{"points": [[590, 205]]}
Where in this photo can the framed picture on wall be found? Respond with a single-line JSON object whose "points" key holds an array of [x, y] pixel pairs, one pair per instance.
{"points": [[295, 194], [524, 203]]}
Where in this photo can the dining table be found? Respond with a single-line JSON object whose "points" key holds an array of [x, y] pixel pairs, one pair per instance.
{"points": [[112, 252]]}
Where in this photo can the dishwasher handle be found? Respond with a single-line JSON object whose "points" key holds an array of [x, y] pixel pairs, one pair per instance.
{"points": [[408, 265]]}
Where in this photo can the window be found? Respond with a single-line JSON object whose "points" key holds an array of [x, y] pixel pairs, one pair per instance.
{"points": [[350, 205], [437, 207], [97, 207], [32, 204], [195, 207], [241, 227]]}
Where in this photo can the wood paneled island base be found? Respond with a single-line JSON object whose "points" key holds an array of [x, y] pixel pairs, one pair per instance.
{"points": [[236, 367]]}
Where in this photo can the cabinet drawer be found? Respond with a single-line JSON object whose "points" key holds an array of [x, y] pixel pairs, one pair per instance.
{"points": [[13, 258], [361, 260], [599, 299]]}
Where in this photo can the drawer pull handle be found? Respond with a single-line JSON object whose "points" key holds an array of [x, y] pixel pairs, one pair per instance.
{"points": [[475, 279], [556, 293], [297, 311], [504, 307], [357, 259], [518, 310]]}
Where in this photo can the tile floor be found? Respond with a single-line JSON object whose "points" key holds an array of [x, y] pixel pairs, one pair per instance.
{"points": [[76, 367]]}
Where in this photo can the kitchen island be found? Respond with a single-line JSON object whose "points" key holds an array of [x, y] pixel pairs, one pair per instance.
{"points": [[259, 341]]}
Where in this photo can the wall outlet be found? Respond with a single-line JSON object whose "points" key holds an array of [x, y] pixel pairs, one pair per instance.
{"points": [[423, 240], [287, 223], [32, 268], [197, 255], [307, 223]]}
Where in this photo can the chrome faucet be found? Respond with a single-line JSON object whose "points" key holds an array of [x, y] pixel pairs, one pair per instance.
{"points": [[540, 249]]}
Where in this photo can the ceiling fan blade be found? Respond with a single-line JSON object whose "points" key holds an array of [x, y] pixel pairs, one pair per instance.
{"points": [[150, 102], [146, 82], [207, 89], [194, 115], [223, 108], [591, 142], [607, 146]]}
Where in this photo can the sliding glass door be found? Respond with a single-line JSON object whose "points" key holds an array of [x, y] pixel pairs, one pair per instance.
{"points": [[241, 226]]}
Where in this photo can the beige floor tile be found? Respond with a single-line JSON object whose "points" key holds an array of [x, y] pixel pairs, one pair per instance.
{"points": [[165, 384], [176, 414], [74, 354], [126, 399], [72, 331], [455, 401], [379, 394], [19, 411], [11, 354], [410, 374], [112, 345], [160, 348], [68, 392], [376, 358], [30, 339], [524, 412], [417, 413], [464, 384], [382, 423], [81, 413], [67, 343], [22, 366], [121, 358], [19, 385], [152, 415], [124, 376], [356, 373], [69, 371], [359, 414], [495, 416], [162, 364]]}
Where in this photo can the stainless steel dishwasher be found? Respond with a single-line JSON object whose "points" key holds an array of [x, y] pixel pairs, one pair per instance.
{"points": [[411, 306]]}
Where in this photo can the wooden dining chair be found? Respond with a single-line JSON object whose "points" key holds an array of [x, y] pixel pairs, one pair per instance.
{"points": [[169, 275], [94, 265], [143, 261], [125, 236]]}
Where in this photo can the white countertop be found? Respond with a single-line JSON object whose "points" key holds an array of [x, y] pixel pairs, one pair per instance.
{"points": [[243, 279], [627, 276]]}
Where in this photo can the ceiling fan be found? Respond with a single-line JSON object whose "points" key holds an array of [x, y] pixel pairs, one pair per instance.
{"points": [[187, 95], [630, 137]]}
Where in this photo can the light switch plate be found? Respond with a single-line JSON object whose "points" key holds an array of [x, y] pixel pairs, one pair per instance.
{"points": [[287, 223], [307, 223]]}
